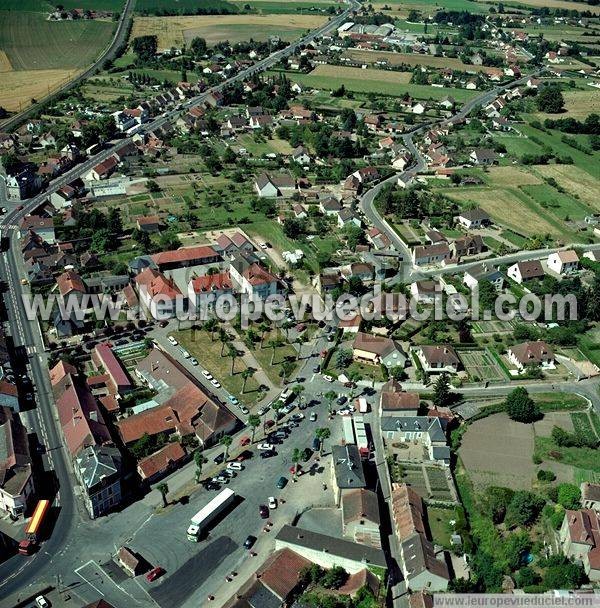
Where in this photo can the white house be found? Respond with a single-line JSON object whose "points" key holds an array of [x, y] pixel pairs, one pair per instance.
{"points": [[525, 271], [481, 273], [563, 262], [204, 290], [158, 294]]}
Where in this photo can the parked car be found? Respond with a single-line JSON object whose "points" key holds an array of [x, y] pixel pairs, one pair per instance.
{"points": [[265, 447], [341, 399], [282, 482], [215, 383], [219, 458], [268, 454], [235, 466], [263, 511], [193, 361], [172, 340], [345, 411], [269, 423], [233, 399], [297, 417], [249, 542], [316, 369], [155, 573], [272, 502], [244, 409], [263, 410], [313, 416], [207, 374], [41, 602], [327, 378]]}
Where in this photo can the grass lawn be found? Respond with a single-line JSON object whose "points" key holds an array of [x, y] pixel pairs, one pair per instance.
{"points": [[441, 530], [589, 344], [384, 85], [559, 204], [208, 353], [366, 371], [582, 458], [263, 356]]}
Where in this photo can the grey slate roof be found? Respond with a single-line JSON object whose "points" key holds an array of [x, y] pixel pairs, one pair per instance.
{"points": [[435, 427], [333, 546], [348, 467]]}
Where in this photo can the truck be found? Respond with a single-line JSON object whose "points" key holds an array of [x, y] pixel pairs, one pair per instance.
{"points": [[363, 406], [203, 518], [362, 443], [32, 531]]}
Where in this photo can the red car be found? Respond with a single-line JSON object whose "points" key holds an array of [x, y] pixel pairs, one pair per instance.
{"points": [[263, 511], [244, 441], [269, 423], [155, 573]]}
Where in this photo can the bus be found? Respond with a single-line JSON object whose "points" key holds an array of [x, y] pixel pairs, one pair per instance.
{"points": [[208, 513], [32, 531], [348, 431], [361, 436]]}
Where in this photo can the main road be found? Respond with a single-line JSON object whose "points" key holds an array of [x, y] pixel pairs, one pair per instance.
{"points": [[18, 573]]}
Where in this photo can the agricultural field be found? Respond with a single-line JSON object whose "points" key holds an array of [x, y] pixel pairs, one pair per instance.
{"points": [[496, 451], [575, 181], [482, 366], [32, 43], [508, 207], [515, 176], [384, 82], [177, 31], [18, 88], [115, 6], [431, 6], [578, 104], [412, 59]]}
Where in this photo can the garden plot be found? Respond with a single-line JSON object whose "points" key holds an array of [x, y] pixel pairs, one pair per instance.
{"points": [[482, 366]]}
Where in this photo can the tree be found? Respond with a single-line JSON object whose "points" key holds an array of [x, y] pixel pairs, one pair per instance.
{"points": [[223, 338], [562, 573], [550, 99], [523, 508], [233, 353], [211, 326], [152, 186], [226, 441], [569, 496], [145, 47], [441, 391], [163, 488], [330, 396], [487, 295], [495, 501], [277, 405], [246, 375], [199, 461], [343, 358], [264, 327], [142, 238], [296, 458], [11, 163], [273, 344], [198, 47], [287, 367], [521, 407], [253, 423], [322, 434], [334, 578]]}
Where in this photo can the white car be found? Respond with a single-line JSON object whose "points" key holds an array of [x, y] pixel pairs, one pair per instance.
{"points": [[235, 466], [194, 361], [206, 374], [345, 411], [327, 378], [272, 502], [263, 245], [244, 410], [265, 447], [172, 340], [313, 416], [215, 383], [41, 602], [263, 410]]}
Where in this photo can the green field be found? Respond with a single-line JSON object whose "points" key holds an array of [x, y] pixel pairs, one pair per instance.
{"points": [[268, 7], [383, 86], [114, 6], [429, 6], [557, 203], [183, 7], [32, 43]]}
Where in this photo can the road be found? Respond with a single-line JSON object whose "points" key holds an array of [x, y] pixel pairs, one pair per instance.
{"points": [[18, 573], [367, 200], [119, 38]]}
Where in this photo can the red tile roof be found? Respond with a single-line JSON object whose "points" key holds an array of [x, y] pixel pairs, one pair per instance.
{"points": [[112, 365], [257, 275], [70, 281], [156, 284], [281, 571], [408, 512], [212, 282], [160, 419], [160, 461], [185, 254]]}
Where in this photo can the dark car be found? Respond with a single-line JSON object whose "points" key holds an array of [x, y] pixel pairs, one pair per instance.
{"points": [[316, 444], [317, 369], [219, 458], [267, 454], [163, 323], [120, 342], [282, 482], [249, 542], [342, 399], [263, 511]]}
